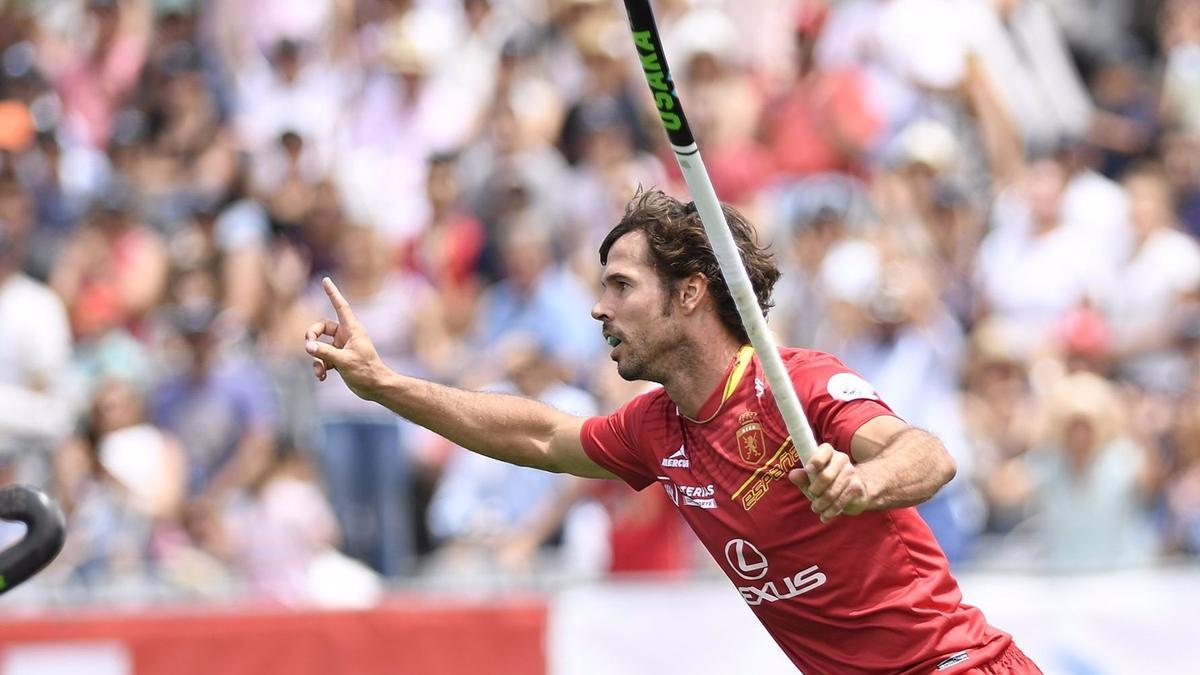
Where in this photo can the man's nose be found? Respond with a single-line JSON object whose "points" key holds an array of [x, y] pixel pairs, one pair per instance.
{"points": [[600, 312]]}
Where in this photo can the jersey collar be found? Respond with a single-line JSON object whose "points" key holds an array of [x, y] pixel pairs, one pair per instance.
{"points": [[736, 371]]}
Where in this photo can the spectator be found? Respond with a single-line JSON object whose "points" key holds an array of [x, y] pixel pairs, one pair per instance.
{"points": [[724, 107], [1094, 207], [108, 538], [323, 227], [1032, 268], [447, 255], [609, 84], [558, 34], [821, 120], [218, 405], [113, 271], [288, 308], [282, 532], [61, 183], [536, 297], [607, 171], [403, 115], [95, 75], [146, 463], [293, 82], [36, 411], [998, 412], [227, 242], [512, 164], [286, 178], [179, 141], [922, 198], [1088, 486], [1161, 277], [814, 216]]}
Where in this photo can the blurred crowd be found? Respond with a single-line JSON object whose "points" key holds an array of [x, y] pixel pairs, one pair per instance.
{"points": [[990, 208]]}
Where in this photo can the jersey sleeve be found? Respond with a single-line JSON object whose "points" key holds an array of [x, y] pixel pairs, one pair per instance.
{"points": [[612, 442], [836, 400]]}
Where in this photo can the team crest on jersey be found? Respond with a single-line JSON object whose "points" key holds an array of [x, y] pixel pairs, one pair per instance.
{"points": [[752, 444]]}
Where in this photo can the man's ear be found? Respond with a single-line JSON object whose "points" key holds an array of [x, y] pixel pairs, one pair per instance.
{"points": [[691, 291]]}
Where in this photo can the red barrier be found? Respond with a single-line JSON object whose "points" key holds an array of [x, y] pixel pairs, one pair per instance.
{"points": [[421, 637]]}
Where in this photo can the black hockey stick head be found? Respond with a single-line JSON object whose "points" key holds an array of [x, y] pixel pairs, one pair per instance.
{"points": [[43, 539]]}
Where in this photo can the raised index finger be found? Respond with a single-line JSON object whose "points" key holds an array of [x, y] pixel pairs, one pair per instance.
{"points": [[344, 314]]}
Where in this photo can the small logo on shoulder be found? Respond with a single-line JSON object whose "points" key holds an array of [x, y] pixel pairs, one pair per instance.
{"points": [[954, 660], [850, 387]]}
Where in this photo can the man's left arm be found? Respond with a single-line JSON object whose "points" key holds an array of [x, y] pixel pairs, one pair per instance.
{"points": [[894, 465]]}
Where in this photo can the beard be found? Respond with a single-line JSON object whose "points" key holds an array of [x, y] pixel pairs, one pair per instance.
{"points": [[632, 369], [650, 361]]}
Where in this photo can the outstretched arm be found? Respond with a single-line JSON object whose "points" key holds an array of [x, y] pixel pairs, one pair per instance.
{"points": [[508, 428]]}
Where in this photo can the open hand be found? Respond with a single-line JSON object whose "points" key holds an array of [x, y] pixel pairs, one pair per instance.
{"points": [[351, 352], [832, 483]]}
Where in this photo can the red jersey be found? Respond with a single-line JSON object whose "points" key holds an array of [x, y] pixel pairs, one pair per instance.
{"points": [[863, 594]]}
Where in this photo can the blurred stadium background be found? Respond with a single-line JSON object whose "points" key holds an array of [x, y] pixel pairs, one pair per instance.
{"points": [[988, 207]]}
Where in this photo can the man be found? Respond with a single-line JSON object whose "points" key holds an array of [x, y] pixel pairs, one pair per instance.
{"points": [[221, 408], [865, 594]]}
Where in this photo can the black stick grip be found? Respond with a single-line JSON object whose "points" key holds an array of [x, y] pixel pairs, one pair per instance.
{"points": [[658, 75], [43, 540]]}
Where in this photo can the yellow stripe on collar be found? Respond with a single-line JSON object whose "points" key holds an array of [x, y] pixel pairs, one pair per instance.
{"points": [[739, 369]]}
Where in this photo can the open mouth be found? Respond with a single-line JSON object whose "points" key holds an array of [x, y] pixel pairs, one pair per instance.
{"points": [[613, 340]]}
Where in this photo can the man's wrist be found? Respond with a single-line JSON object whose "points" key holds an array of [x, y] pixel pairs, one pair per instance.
{"points": [[871, 481], [381, 387]]}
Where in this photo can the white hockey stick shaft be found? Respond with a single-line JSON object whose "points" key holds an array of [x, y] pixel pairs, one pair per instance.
{"points": [[658, 76]]}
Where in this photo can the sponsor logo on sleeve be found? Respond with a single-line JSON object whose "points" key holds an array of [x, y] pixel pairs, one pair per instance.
{"points": [[850, 387]]}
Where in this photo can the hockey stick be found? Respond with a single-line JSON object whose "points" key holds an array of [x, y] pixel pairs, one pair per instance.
{"points": [[43, 540], [662, 88]]}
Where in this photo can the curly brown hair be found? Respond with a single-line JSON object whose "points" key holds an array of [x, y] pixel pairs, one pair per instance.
{"points": [[679, 248]]}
